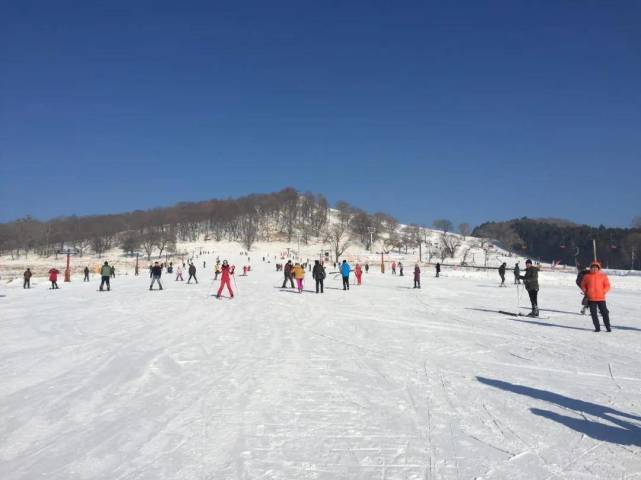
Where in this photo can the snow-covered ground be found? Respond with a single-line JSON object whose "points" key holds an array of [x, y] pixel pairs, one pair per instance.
{"points": [[381, 382]]}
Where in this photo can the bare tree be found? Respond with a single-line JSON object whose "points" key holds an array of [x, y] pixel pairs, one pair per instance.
{"points": [[636, 222], [449, 244], [442, 224], [130, 243], [466, 253], [99, 245], [165, 239], [148, 242], [486, 246], [249, 229], [464, 229], [345, 211], [337, 236]]}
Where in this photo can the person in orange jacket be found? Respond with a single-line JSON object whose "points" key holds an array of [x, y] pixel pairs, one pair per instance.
{"points": [[596, 285], [358, 271]]}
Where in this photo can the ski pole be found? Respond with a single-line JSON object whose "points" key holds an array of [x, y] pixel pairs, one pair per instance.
{"points": [[518, 297], [211, 288], [235, 285]]}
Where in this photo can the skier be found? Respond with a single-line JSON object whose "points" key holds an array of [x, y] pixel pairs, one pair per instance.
{"points": [[86, 272], [53, 278], [287, 271], [204, 265], [112, 271], [400, 269], [358, 272], [438, 269], [393, 268], [367, 268], [517, 272], [417, 276], [170, 268], [596, 285], [244, 270], [192, 273], [299, 273], [502, 273], [224, 279], [318, 274], [179, 273], [345, 269], [156, 273], [531, 282], [27, 278], [105, 273], [579, 279], [217, 271]]}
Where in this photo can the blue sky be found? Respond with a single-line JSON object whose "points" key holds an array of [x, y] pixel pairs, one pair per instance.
{"points": [[472, 111]]}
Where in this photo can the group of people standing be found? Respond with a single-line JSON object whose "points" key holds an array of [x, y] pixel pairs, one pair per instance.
{"points": [[594, 285]]}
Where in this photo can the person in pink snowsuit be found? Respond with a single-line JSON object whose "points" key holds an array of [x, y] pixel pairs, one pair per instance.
{"points": [[224, 279], [358, 271]]}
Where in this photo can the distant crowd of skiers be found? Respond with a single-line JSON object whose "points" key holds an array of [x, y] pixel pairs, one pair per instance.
{"points": [[594, 284]]}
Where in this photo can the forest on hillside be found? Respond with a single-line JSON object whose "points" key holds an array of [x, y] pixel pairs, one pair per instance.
{"points": [[553, 240], [284, 215]]}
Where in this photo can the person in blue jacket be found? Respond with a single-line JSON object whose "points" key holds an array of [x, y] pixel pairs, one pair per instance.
{"points": [[345, 269]]}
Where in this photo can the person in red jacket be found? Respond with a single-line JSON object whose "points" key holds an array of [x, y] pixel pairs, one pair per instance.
{"points": [[53, 278], [358, 271], [224, 279], [596, 285]]}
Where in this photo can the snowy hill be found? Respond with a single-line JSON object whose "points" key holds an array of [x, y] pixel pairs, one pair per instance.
{"points": [[468, 251], [382, 381]]}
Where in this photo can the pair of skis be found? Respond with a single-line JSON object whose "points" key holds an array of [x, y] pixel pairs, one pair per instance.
{"points": [[518, 314]]}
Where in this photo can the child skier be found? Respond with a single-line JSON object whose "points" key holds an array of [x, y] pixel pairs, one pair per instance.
{"points": [[358, 272], [299, 274]]}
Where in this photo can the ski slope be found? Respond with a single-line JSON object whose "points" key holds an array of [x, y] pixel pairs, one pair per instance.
{"points": [[381, 382]]}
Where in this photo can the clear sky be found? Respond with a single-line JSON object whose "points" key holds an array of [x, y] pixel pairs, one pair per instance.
{"points": [[473, 111]]}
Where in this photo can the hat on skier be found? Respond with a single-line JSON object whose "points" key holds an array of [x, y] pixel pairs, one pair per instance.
{"points": [[528, 261], [596, 264]]}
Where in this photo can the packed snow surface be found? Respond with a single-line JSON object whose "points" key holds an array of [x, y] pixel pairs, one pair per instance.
{"points": [[381, 382]]}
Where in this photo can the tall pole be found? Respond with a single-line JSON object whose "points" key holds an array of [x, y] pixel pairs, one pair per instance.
{"points": [[594, 248], [136, 269], [68, 270]]}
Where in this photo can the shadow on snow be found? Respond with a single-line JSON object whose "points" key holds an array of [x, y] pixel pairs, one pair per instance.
{"points": [[619, 429]]}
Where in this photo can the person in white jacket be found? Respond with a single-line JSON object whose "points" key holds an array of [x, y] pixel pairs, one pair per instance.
{"points": [[179, 273]]}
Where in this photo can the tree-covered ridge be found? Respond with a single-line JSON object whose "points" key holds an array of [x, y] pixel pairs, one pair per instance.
{"points": [[558, 240]]}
